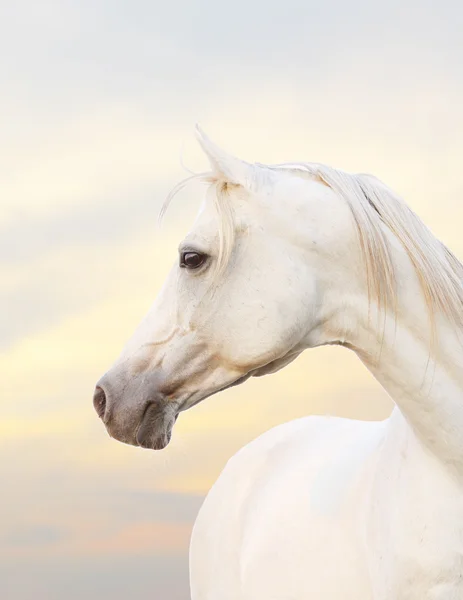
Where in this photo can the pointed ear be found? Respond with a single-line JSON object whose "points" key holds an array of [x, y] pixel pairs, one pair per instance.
{"points": [[225, 166]]}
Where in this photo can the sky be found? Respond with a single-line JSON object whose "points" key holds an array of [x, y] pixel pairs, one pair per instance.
{"points": [[98, 105]]}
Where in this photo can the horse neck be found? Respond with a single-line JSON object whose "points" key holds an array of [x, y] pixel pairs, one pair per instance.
{"points": [[424, 378], [427, 390]]}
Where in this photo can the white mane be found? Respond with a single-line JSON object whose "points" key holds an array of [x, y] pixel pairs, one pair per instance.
{"points": [[372, 204], [439, 271]]}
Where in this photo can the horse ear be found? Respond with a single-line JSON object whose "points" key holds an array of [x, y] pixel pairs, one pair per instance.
{"points": [[225, 166]]}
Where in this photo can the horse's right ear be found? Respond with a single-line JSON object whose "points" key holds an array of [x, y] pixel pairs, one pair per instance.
{"points": [[225, 166]]}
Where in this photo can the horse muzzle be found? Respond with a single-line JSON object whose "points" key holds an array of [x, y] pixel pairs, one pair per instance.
{"points": [[134, 410]]}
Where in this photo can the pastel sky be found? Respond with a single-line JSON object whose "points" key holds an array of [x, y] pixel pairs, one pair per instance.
{"points": [[98, 103]]}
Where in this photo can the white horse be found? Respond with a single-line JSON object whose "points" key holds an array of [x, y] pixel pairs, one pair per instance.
{"points": [[280, 259]]}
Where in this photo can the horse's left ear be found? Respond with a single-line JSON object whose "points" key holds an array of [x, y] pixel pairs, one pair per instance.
{"points": [[225, 166]]}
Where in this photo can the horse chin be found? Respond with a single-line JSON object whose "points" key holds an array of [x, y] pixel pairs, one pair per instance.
{"points": [[155, 429], [200, 396], [276, 365]]}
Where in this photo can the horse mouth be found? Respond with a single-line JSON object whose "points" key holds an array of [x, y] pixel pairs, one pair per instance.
{"points": [[155, 429]]}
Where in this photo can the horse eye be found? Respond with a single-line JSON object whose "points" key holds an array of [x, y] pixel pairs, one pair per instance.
{"points": [[192, 260]]}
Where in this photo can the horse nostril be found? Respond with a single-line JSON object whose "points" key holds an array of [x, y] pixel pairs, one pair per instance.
{"points": [[99, 401]]}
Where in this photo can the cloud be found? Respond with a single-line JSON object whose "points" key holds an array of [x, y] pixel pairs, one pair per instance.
{"points": [[162, 539], [102, 47], [31, 537], [79, 513], [141, 538], [111, 153], [115, 577]]}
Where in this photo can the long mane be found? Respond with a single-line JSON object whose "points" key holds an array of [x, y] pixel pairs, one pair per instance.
{"points": [[372, 204]]}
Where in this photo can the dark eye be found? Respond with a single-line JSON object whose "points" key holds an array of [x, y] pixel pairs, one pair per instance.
{"points": [[192, 260]]}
